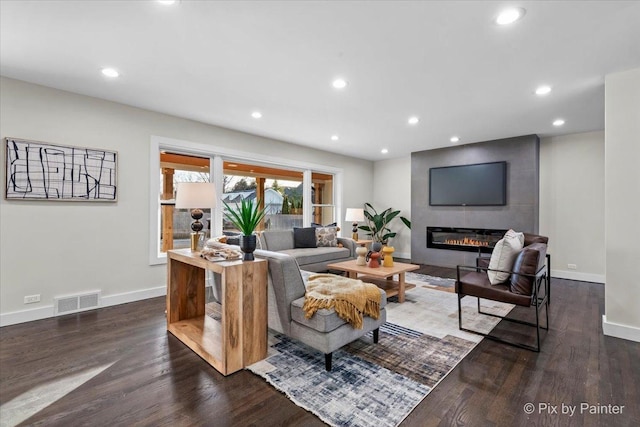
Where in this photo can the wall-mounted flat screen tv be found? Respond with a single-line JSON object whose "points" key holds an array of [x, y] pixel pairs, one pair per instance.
{"points": [[482, 184]]}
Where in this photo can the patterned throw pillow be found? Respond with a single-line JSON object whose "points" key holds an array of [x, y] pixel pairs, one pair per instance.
{"points": [[327, 236]]}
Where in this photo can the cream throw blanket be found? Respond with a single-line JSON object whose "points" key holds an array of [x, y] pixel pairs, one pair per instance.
{"points": [[350, 298]]}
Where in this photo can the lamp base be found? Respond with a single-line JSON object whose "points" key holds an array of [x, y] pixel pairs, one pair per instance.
{"points": [[195, 239]]}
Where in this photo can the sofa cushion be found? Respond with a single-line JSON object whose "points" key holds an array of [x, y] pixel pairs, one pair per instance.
{"points": [[315, 255], [277, 240], [323, 320], [326, 237], [304, 237], [503, 256], [529, 261]]}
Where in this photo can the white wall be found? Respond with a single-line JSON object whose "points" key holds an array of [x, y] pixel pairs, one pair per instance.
{"points": [[56, 248], [392, 189], [572, 204], [622, 204]]}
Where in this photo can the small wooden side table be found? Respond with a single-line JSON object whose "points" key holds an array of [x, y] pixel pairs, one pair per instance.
{"points": [[239, 337]]}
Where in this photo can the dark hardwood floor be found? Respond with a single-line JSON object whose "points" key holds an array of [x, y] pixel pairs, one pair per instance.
{"points": [[154, 380]]}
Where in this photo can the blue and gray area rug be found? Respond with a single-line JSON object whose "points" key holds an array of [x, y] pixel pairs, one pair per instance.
{"points": [[379, 384]]}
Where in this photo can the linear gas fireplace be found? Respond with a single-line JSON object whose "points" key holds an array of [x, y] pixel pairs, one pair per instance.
{"points": [[463, 239]]}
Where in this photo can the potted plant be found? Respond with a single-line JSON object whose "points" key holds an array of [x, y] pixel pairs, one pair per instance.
{"points": [[377, 225], [246, 218]]}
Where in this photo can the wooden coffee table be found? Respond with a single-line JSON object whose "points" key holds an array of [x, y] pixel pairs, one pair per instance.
{"points": [[381, 276]]}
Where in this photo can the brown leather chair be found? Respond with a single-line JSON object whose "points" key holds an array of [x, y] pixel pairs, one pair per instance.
{"points": [[528, 286]]}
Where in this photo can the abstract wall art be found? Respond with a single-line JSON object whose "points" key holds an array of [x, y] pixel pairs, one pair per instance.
{"points": [[43, 171]]}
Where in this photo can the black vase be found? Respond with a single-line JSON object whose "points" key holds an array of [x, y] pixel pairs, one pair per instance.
{"points": [[247, 246]]}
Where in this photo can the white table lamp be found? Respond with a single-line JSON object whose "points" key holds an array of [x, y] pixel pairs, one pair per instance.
{"points": [[195, 196], [355, 215]]}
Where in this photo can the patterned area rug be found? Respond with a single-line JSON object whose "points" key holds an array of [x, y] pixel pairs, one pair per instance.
{"points": [[380, 384], [429, 281]]}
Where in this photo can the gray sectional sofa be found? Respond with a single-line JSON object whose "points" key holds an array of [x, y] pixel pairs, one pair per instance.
{"points": [[310, 259]]}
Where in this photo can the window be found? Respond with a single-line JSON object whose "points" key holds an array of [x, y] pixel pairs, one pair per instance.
{"points": [[308, 192], [175, 224], [324, 210], [279, 192]]}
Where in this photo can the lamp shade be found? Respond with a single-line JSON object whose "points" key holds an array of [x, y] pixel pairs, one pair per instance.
{"points": [[191, 195], [354, 214]]}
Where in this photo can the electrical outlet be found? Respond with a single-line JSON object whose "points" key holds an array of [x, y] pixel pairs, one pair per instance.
{"points": [[30, 299], [572, 266]]}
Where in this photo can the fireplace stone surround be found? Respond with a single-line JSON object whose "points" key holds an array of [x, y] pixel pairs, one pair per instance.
{"points": [[520, 213]]}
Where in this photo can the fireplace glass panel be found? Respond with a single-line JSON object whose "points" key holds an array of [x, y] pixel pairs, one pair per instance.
{"points": [[463, 239]]}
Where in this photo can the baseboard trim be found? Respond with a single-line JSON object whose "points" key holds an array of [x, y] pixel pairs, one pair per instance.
{"points": [[23, 316], [126, 297], [576, 275], [617, 330]]}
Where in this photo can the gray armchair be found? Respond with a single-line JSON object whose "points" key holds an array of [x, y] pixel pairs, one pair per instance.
{"points": [[325, 331]]}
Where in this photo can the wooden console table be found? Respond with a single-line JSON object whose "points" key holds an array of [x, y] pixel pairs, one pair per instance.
{"points": [[239, 337]]}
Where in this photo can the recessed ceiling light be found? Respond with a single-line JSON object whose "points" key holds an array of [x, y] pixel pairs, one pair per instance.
{"points": [[167, 2], [384, 151], [339, 83], [558, 122], [543, 90], [413, 120], [454, 139], [334, 137], [110, 72], [256, 114], [509, 16]]}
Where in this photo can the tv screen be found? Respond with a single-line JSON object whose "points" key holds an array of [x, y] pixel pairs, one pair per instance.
{"points": [[482, 184]]}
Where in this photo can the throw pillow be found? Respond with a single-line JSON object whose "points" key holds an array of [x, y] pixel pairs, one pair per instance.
{"points": [[513, 234], [326, 237], [316, 225], [304, 237], [503, 256]]}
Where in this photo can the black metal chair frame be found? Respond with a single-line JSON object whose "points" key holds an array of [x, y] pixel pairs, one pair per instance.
{"points": [[537, 302]]}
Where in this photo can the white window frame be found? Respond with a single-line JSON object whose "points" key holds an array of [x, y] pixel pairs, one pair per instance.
{"points": [[217, 155]]}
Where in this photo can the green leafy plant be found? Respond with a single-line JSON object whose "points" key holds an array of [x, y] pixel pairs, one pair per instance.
{"points": [[377, 223], [245, 217]]}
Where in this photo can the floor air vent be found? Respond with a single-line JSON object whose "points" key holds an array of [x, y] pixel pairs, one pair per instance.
{"points": [[75, 303]]}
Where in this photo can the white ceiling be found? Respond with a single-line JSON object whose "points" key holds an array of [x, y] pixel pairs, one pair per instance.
{"points": [[446, 62]]}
